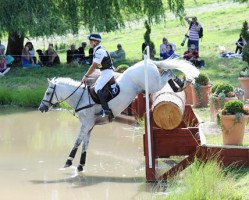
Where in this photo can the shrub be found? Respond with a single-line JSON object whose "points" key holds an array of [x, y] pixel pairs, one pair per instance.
{"points": [[225, 88], [215, 86], [202, 79], [233, 107]]}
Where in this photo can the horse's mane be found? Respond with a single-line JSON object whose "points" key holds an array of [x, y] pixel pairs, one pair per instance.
{"points": [[67, 81]]}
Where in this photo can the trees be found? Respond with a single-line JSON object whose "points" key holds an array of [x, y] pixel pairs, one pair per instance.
{"points": [[24, 18]]}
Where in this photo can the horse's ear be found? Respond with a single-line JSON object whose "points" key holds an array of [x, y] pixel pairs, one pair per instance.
{"points": [[49, 80]]}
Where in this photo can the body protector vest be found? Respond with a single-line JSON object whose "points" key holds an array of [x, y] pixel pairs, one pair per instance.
{"points": [[106, 63]]}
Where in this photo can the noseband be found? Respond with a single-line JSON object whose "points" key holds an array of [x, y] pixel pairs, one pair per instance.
{"points": [[51, 98]]}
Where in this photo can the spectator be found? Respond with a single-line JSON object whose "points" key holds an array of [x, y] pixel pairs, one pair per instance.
{"points": [[167, 52], [192, 55], [32, 51], [119, 54], [72, 54], [53, 57], [90, 59], [164, 44], [82, 56], [27, 59], [43, 58], [194, 28], [240, 44], [3, 66]]}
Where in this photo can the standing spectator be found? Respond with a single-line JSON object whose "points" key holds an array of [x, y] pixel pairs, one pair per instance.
{"points": [[27, 59], [72, 54], [119, 54], [194, 29], [240, 44], [53, 57], [3, 66]]}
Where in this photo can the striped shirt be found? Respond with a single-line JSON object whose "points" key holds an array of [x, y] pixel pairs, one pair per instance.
{"points": [[193, 33]]}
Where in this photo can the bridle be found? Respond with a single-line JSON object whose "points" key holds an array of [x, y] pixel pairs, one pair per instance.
{"points": [[55, 94]]}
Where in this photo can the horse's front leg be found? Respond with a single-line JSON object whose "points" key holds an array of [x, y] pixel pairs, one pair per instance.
{"points": [[83, 153], [73, 152], [81, 136]]}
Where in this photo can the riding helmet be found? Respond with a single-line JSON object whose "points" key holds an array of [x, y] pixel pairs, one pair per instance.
{"points": [[95, 36]]}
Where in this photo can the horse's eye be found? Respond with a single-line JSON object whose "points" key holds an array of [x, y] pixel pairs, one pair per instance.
{"points": [[48, 93]]}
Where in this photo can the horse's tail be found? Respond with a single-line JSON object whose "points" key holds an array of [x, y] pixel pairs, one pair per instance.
{"points": [[190, 71]]}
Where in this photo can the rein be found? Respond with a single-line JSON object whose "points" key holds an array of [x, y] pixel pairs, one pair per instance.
{"points": [[54, 93], [76, 109]]}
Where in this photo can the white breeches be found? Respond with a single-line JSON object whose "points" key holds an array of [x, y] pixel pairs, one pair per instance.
{"points": [[105, 76]]}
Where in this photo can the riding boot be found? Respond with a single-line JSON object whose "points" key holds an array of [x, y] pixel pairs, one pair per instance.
{"points": [[106, 110]]}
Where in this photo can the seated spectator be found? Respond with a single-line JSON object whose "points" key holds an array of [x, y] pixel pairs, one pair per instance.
{"points": [[53, 57], [3, 61], [27, 59], [90, 57], [192, 55], [168, 52], [163, 46], [72, 54], [32, 51], [82, 56], [240, 44], [119, 54], [43, 58]]}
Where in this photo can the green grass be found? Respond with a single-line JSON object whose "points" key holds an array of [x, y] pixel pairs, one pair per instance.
{"points": [[206, 181]]}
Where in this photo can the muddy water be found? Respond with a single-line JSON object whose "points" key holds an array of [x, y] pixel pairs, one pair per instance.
{"points": [[34, 147]]}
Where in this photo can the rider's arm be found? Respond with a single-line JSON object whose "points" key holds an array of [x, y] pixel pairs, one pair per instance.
{"points": [[89, 72]]}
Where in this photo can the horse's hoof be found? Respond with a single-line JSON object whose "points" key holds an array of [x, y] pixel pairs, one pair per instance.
{"points": [[68, 164], [80, 168]]}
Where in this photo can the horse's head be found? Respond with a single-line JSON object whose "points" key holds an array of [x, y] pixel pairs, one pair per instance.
{"points": [[50, 97]]}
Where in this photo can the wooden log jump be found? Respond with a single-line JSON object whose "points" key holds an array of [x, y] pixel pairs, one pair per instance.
{"points": [[187, 140]]}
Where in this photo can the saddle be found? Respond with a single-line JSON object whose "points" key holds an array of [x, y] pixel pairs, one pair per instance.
{"points": [[110, 91]]}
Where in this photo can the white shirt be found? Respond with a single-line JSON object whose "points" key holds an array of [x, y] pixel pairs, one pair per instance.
{"points": [[99, 54]]}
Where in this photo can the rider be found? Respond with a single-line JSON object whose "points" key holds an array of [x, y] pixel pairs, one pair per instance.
{"points": [[102, 60]]}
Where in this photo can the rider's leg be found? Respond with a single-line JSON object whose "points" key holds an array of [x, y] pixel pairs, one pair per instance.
{"points": [[106, 110], [105, 76]]}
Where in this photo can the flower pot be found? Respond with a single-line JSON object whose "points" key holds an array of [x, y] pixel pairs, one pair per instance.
{"points": [[189, 94], [244, 82], [200, 95], [216, 104], [232, 131]]}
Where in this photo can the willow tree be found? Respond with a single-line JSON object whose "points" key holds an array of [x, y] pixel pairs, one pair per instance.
{"points": [[29, 18]]}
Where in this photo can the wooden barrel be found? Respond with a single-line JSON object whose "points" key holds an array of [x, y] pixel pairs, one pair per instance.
{"points": [[168, 108]]}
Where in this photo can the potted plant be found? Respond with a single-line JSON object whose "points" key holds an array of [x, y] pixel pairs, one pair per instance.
{"points": [[220, 93], [244, 74], [201, 90], [233, 119]]}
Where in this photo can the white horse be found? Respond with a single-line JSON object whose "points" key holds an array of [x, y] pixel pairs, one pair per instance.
{"points": [[131, 83]]}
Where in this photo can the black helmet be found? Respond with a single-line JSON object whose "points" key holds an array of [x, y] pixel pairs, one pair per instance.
{"points": [[95, 36]]}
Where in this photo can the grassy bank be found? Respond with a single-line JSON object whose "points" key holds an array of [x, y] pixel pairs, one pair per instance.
{"points": [[221, 21], [207, 181]]}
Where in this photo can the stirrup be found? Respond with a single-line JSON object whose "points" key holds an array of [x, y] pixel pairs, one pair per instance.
{"points": [[103, 113]]}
